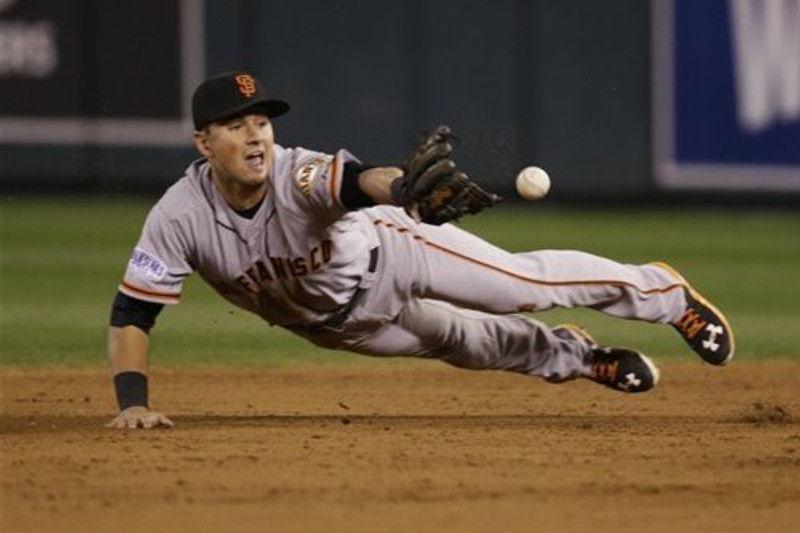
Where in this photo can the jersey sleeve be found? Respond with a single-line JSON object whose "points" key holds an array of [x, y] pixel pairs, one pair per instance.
{"points": [[159, 263], [318, 178]]}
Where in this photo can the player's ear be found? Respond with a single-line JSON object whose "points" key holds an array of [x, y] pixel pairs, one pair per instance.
{"points": [[201, 142]]}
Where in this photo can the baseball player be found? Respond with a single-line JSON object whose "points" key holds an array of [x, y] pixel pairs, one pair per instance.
{"points": [[362, 258]]}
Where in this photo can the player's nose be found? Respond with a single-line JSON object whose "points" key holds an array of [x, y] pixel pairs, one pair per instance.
{"points": [[251, 130], [255, 134]]}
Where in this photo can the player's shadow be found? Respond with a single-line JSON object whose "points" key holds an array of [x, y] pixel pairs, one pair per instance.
{"points": [[439, 421], [18, 425]]}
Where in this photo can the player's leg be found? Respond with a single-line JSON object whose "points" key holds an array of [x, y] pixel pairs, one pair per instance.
{"points": [[480, 341], [446, 263]]}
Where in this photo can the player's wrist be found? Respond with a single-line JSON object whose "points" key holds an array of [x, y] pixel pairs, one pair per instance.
{"points": [[132, 389]]}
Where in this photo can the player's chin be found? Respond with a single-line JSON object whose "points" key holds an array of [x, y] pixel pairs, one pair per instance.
{"points": [[253, 176]]}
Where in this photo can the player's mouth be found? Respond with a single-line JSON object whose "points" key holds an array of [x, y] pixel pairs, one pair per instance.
{"points": [[255, 161]]}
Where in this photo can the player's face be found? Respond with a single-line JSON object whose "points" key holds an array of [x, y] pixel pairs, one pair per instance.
{"points": [[239, 149]]}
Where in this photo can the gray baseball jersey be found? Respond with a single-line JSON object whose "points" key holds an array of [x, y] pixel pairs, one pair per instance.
{"points": [[298, 259], [407, 288]]}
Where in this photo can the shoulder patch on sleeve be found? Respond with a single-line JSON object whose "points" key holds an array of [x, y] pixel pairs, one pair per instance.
{"points": [[148, 265], [307, 174]]}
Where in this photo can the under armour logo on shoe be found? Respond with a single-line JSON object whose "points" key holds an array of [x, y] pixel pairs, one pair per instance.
{"points": [[631, 382], [713, 330], [705, 329]]}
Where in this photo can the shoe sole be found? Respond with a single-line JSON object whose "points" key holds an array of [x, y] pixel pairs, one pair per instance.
{"points": [[699, 297], [653, 369]]}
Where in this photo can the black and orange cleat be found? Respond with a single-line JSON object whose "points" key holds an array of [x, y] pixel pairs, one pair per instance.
{"points": [[703, 326], [624, 370], [621, 369]]}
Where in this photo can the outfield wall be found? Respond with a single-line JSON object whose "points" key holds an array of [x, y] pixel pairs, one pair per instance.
{"points": [[616, 98]]}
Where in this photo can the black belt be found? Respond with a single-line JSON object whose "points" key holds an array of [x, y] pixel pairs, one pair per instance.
{"points": [[338, 318]]}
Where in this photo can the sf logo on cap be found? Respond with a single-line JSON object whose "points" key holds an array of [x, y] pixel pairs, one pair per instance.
{"points": [[247, 86]]}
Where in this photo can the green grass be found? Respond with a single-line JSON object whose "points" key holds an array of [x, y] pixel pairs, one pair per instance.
{"points": [[61, 261]]}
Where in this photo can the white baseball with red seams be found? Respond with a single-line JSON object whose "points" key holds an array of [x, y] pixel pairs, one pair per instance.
{"points": [[533, 183], [436, 291]]}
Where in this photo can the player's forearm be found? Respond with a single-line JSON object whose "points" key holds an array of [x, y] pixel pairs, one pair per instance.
{"points": [[128, 349], [127, 356], [376, 183]]}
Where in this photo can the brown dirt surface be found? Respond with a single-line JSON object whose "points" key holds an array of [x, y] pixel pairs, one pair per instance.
{"points": [[412, 448]]}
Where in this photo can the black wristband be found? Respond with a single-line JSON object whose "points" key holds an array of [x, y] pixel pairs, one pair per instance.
{"points": [[350, 193], [131, 389]]}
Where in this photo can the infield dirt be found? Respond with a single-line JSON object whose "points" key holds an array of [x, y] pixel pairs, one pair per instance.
{"points": [[404, 448]]}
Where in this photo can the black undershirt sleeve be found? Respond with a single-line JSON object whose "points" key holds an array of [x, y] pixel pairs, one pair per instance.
{"points": [[128, 311], [351, 194]]}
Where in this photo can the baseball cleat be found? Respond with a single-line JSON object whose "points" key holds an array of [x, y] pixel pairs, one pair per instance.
{"points": [[621, 369], [703, 326]]}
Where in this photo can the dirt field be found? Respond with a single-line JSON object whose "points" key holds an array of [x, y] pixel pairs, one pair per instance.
{"points": [[405, 448]]}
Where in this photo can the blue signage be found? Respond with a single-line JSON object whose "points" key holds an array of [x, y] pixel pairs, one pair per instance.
{"points": [[727, 93]]}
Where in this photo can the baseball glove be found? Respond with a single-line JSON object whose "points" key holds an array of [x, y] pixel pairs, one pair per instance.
{"points": [[433, 190]]}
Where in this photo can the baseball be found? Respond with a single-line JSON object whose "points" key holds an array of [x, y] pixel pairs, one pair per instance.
{"points": [[533, 183]]}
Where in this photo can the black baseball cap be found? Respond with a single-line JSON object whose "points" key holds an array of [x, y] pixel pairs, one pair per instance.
{"points": [[232, 94]]}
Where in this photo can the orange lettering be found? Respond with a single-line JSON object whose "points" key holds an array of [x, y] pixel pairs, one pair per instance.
{"points": [[278, 266], [262, 271], [247, 282], [314, 263], [326, 251], [298, 267]]}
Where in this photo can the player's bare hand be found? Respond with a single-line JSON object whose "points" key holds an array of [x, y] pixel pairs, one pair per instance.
{"points": [[139, 417]]}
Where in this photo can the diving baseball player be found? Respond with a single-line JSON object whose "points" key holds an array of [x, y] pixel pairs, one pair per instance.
{"points": [[362, 258]]}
